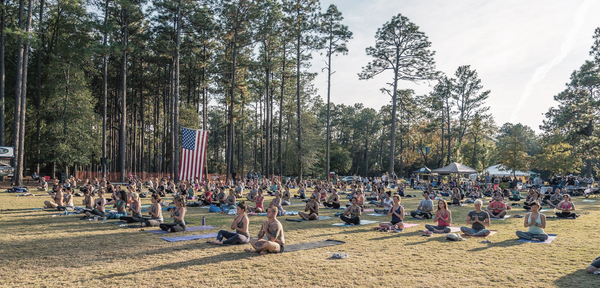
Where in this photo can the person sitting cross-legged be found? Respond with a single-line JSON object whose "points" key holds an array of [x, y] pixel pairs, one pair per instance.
{"points": [[396, 211], [536, 222], [497, 208], [240, 224], [425, 208], [566, 208], [443, 216], [312, 207], [273, 230], [479, 220]]}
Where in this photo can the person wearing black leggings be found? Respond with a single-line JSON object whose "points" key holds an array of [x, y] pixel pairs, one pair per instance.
{"points": [[240, 225], [352, 214], [178, 215]]}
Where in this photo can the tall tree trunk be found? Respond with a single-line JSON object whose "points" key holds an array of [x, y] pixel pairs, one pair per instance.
{"points": [[279, 159], [104, 90], [176, 94], [393, 128], [299, 104], [38, 102], [230, 141], [18, 87], [123, 135], [21, 154], [2, 75], [267, 122], [328, 132]]}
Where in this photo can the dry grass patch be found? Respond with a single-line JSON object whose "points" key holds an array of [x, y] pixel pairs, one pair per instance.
{"points": [[40, 250]]}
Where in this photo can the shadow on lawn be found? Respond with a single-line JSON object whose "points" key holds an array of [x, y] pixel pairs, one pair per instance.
{"points": [[231, 256], [505, 243], [579, 278]]}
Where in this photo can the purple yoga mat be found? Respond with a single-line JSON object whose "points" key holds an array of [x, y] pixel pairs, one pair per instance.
{"points": [[187, 229], [189, 237]]}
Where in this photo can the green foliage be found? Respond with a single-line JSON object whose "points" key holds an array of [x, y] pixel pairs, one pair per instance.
{"points": [[556, 156], [512, 148]]}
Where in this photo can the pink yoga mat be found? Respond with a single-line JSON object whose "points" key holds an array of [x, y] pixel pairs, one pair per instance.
{"points": [[408, 225]]}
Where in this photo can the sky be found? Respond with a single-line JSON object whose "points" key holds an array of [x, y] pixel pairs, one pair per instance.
{"points": [[523, 51]]}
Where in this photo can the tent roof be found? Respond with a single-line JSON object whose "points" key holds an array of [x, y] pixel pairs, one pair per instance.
{"points": [[500, 170], [455, 168], [423, 170]]}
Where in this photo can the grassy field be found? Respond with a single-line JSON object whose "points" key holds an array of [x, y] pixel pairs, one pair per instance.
{"points": [[40, 250]]}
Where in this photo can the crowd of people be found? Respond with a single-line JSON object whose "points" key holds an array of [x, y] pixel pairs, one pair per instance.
{"points": [[384, 194]]}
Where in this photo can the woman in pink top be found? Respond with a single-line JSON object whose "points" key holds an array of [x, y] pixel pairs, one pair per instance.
{"points": [[258, 201], [566, 207], [443, 216]]}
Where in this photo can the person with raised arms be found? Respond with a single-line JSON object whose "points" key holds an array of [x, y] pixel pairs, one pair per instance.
{"points": [[479, 220], [536, 222], [240, 225], [443, 217], [273, 230], [312, 207]]}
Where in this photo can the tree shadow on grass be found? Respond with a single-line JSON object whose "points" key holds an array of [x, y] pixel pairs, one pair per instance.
{"points": [[226, 257], [392, 235], [505, 243], [353, 231], [579, 278]]}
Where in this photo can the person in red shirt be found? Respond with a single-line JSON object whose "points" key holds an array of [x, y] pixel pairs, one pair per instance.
{"points": [[206, 198], [497, 208]]}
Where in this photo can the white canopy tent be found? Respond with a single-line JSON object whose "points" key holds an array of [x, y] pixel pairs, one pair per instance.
{"points": [[499, 170]]}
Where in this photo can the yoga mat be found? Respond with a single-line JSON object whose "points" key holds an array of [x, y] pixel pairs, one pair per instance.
{"points": [[408, 225], [369, 210], [492, 232], [146, 206], [291, 213], [187, 229], [312, 245], [189, 237], [37, 208], [551, 238], [505, 217], [588, 200], [302, 220], [454, 229], [362, 222], [376, 214]]}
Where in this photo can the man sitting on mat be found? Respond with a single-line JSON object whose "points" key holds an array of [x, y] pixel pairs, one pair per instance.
{"points": [[425, 208], [479, 220], [240, 224], [312, 207], [497, 208], [536, 222], [273, 230]]}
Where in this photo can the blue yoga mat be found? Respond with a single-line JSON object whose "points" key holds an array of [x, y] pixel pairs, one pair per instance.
{"points": [[551, 238], [189, 237], [187, 229]]}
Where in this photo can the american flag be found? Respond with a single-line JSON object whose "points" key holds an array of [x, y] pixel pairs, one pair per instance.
{"points": [[193, 153]]}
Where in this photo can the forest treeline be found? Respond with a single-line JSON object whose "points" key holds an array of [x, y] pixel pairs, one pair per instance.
{"points": [[83, 81]]}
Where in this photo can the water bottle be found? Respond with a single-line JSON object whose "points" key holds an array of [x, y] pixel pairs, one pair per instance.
{"points": [[203, 221], [104, 219], [65, 211]]}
